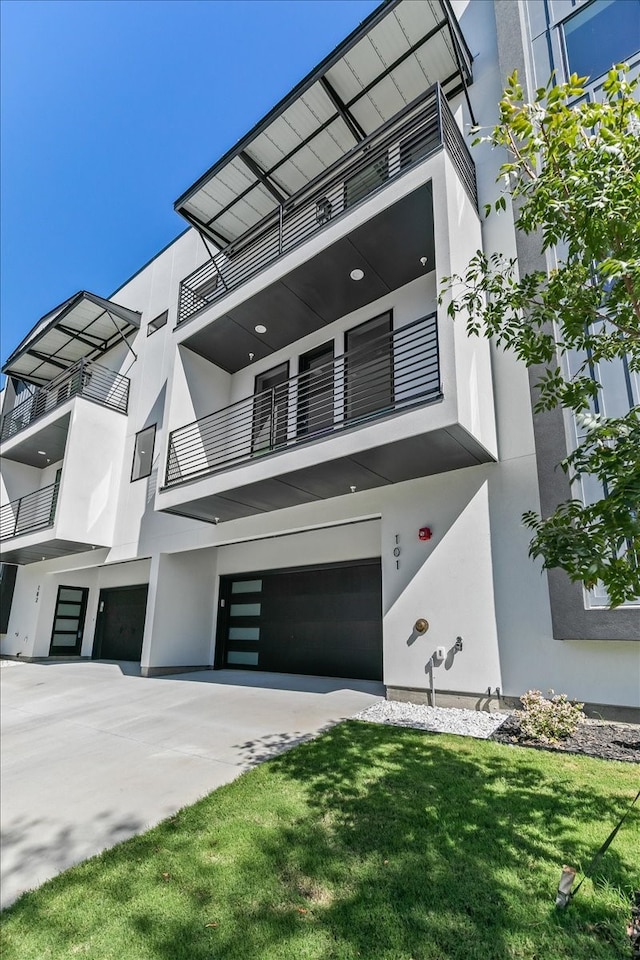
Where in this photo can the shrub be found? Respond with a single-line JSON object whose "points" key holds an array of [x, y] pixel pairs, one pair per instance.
{"points": [[548, 720]]}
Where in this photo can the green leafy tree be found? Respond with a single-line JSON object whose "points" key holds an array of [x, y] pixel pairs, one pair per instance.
{"points": [[573, 174]]}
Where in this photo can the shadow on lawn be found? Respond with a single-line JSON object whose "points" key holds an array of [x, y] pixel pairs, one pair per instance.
{"points": [[53, 847], [403, 848]]}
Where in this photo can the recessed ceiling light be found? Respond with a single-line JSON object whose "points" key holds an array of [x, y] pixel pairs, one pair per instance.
{"points": [[260, 328], [357, 274], [42, 453]]}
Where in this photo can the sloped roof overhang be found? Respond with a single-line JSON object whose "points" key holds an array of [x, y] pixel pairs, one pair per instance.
{"points": [[84, 326], [395, 55]]}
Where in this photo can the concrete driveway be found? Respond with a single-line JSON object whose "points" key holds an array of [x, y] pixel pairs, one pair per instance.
{"points": [[92, 753]]}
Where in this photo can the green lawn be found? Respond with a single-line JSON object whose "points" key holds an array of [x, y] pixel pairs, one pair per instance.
{"points": [[373, 842]]}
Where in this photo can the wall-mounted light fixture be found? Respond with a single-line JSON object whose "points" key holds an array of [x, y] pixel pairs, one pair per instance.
{"points": [[357, 274]]}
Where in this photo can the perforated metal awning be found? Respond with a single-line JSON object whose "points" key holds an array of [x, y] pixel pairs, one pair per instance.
{"points": [[394, 56], [83, 326]]}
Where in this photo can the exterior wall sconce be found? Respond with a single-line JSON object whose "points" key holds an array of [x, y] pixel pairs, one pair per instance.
{"points": [[424, 533], [421, 625], [323, 210]]}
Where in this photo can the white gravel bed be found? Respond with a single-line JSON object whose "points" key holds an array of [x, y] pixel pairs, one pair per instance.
{"points": [[466, 723]]}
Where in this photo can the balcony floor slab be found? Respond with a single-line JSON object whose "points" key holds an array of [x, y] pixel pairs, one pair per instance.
{"points": [[438, 451], [15, 552]]}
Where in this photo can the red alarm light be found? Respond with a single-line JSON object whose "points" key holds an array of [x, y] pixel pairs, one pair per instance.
{"points": [[424, 533]]}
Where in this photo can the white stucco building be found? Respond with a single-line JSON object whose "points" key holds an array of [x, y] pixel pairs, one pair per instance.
{"points": [[271, 449]]}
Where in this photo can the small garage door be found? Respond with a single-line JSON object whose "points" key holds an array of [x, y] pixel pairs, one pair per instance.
{"points": [[120, 623], [325, 621]]}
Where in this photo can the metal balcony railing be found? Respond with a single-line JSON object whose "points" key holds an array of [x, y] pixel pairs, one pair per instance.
{"points": [[83, 379], [35, 511], [418, 131], [391, 373]]}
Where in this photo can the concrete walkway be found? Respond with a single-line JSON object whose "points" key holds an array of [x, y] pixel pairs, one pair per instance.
{"points": [[92, 753]]}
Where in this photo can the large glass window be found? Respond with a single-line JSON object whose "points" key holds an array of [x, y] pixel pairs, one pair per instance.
{"points": [[601, 34]]}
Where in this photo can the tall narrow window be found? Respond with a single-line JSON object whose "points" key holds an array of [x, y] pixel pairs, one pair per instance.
{"points": [[315, 391], [369, 368], [270, 409], [143, 453]]}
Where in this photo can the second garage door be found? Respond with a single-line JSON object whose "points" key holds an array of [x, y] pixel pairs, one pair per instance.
{"points": [[325, 621]]}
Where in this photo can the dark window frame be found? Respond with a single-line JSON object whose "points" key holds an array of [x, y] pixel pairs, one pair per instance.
{"points": [[143, 476], [379, 316], [307, 392], [158, 322], [258, 409]]}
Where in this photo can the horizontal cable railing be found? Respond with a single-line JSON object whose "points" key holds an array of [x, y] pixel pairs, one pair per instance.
{"points": [[391, 373], [417, 132], [35, 511], [85, 379]]}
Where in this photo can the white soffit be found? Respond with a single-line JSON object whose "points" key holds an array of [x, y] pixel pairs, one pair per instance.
{"points": [[395, 55], [83, 326]]}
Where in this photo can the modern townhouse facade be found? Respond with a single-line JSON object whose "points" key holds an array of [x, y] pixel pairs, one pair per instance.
{"points": [[271, 449]]}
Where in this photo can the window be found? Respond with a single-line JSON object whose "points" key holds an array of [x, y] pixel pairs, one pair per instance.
{"points": [[143, 453], [369, 368], [157, 323], [601, 34], [270, 409]]}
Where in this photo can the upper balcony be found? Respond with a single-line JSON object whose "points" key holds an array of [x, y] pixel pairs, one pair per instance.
{"points": [[61, 466], [82, 379], [385, 375], [27, 514], [404, 399], [419, 131], [62, 359]]}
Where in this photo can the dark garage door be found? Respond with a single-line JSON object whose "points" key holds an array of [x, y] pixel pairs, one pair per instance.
{"points": [[120, 623], [325, 621]]}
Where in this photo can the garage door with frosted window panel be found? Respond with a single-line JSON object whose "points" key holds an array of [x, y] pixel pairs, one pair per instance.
{"points": [[324, 621]]}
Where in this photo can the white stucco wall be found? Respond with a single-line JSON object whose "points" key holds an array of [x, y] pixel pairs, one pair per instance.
{"points": [[179, 626], [90, 473]]}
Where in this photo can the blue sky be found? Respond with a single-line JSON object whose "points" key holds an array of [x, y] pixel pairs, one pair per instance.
{"points": [[112, 108]]}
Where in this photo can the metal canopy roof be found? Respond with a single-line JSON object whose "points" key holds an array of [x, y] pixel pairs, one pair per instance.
{"points": [[83, 326], [396, 54]]}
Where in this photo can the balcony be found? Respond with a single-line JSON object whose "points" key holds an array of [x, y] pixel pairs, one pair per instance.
{"points": [[391, 373], [84, 379], [419, 131], [35, 511], [82, 444], [377, 414]]}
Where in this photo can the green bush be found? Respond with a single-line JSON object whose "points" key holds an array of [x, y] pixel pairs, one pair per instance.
{"points": [[548, 720]]}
